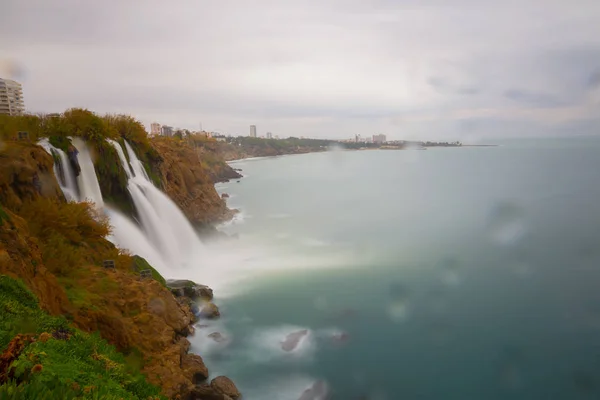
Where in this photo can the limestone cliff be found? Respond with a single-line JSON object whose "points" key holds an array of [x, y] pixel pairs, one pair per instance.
{"points": [[188, 178], [57, 248]]}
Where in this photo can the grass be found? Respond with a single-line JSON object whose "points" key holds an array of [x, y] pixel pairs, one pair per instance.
{"points": [[62, 362], [140, 264]]}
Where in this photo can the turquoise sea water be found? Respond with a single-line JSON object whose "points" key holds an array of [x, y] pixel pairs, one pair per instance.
{"points": [[450, 273]]}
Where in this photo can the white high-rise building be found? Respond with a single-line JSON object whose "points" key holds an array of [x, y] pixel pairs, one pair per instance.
{"points": [[11, 97], [155, 129], [379, 138], [252, 130], [269, 135]]}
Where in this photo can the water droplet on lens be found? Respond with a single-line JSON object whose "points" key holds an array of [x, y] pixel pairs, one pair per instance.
{"points": [[411, 152], [398, 311], [506, 223], [450, 268], [320, 303], [398, 306]]}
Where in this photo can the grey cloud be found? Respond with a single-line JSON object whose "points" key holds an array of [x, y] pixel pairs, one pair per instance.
{"points": [[310, 64], [444, 86]]}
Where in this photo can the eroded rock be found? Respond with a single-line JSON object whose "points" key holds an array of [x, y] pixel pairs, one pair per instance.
{"points": [[192, 290], [293, 339], [318, 391], [209, 311], [217, 337], [225, 386]]}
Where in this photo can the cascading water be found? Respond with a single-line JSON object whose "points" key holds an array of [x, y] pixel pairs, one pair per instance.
{"points": [[89, 188], [67, 181], [136, 164], [121, 156], [167, 239], [163, 222]]}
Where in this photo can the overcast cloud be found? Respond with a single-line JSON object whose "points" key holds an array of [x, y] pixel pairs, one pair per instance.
{"points": [[440, 69]]}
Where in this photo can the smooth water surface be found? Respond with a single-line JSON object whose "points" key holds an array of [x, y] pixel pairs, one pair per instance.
{"points": [[450, 273]]}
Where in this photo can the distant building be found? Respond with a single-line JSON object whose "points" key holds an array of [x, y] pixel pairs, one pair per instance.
{"points": [[166, 131], [11, 97], [379, 139], [252, 130], [155, 129], [269, 135]]}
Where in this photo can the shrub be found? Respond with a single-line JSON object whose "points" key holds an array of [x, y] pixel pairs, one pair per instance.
{"points": [[70, 235]]}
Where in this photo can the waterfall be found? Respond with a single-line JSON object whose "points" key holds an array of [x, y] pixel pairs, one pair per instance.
{"points": [[67, 181], [136, 164], [166, 239], [121, 156], [89, 189], [163, 222]]}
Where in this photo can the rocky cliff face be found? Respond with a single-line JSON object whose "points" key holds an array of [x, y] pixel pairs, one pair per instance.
{"points": [[140, 317], [25, 174], [188, 179]]}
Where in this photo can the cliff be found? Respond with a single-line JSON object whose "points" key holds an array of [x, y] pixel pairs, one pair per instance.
{"points": [[188, 176], [57, 250]]}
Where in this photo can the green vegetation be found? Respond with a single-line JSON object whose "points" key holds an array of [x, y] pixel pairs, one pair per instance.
{"points": [[140, 264], [281, 144], [94, 129], [51, 360], [70, 235]]}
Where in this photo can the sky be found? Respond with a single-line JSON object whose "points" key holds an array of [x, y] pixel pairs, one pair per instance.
{"points": [[428, 69]]}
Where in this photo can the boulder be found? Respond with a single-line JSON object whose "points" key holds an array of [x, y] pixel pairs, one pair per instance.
{"points": [[193, 365], [318, 391], [225, 386], [293, 340], [224, 196], [217, 337], [206, 392], [185, 288], [210, 311]]}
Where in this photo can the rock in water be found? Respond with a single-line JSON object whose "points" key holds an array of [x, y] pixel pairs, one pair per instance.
{"points": [[217, 337], [210, 311], [224, 196], [185, 288], [224, 386], [293, 339], [340, 338], [318, 391]]}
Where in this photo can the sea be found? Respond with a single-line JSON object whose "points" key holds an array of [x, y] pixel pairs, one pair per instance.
{"points": [[446, 273]]}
